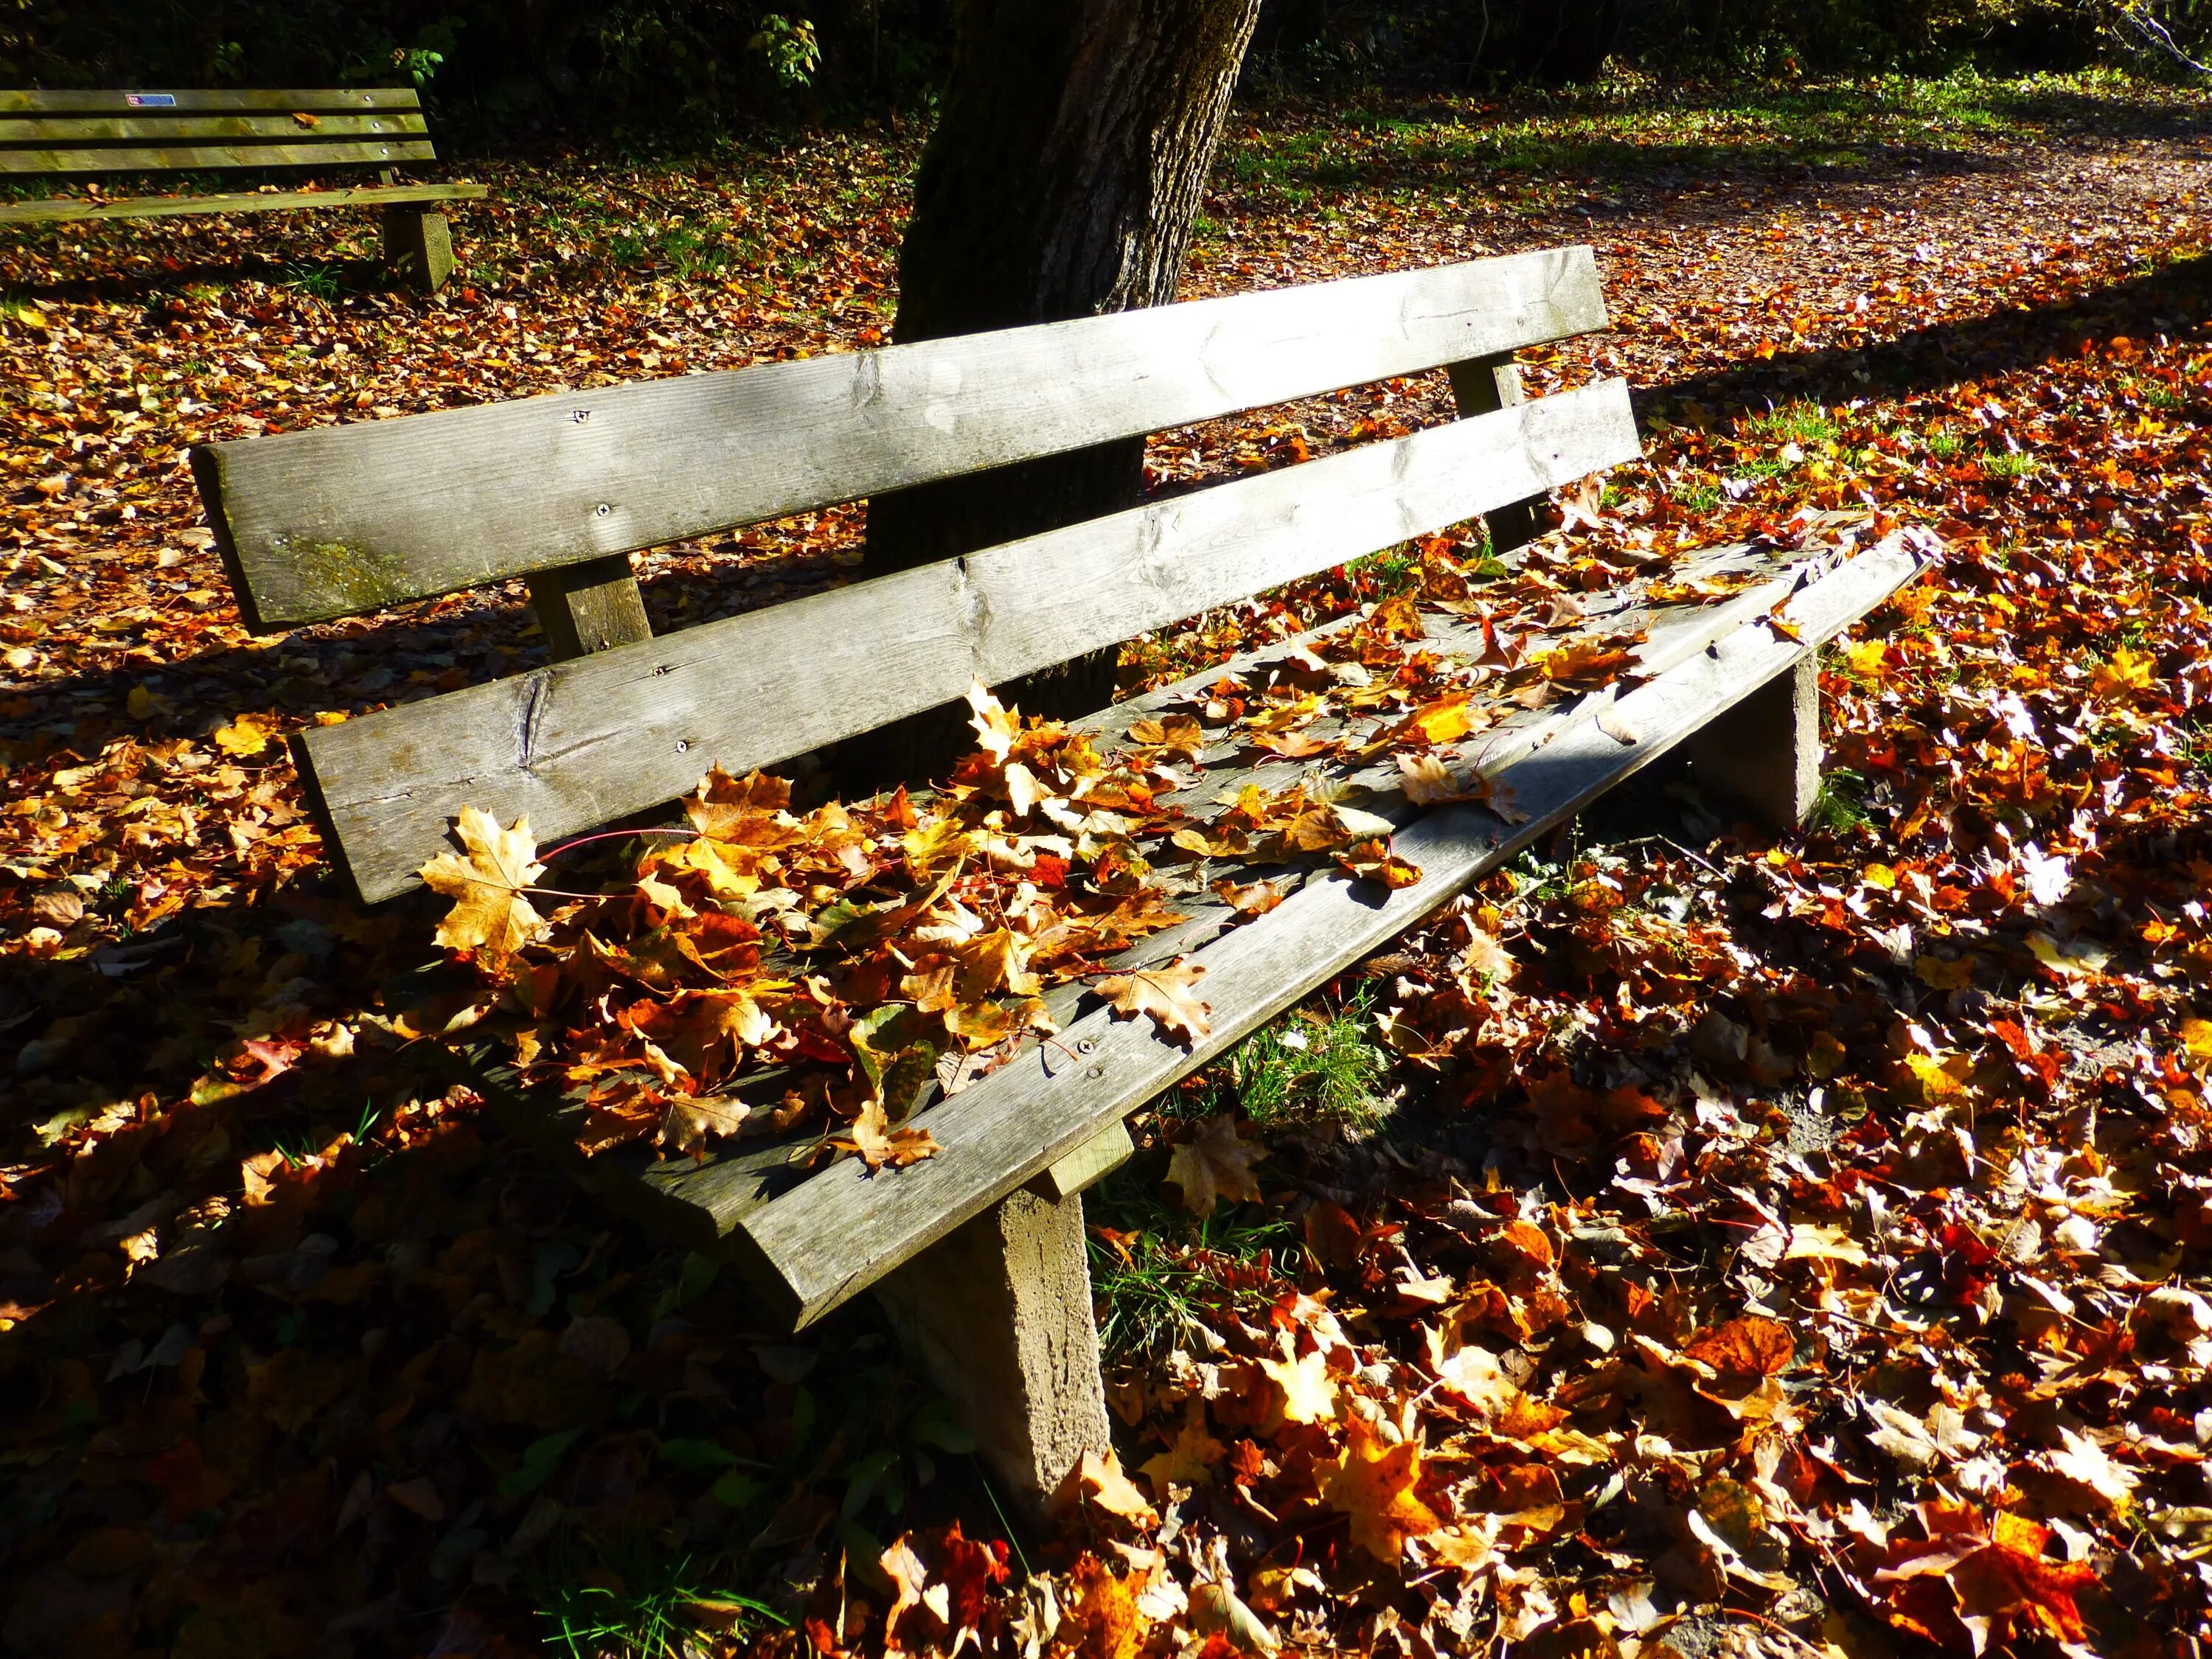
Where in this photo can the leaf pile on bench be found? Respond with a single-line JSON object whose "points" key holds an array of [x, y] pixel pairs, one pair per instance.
{"points": [[861, 955]]}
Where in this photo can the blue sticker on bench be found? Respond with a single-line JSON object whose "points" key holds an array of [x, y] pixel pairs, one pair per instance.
{"points": [[150, 100]]}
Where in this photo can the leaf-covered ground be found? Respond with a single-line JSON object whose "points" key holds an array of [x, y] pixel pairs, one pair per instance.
{"points": [[1693, 1241]]}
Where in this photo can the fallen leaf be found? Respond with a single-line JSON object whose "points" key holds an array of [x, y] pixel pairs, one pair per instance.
{"points": [[1215, 1164], [1164, 994]]}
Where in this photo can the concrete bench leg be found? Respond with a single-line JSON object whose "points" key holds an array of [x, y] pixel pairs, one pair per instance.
{"points": [[418, 246], [1765, 753], [1000, 1312]]}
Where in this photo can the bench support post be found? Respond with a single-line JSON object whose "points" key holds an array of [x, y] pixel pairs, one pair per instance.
{"points": [[1481, 385], [1000, 1312], [418, 246], [586, 607], [1765, 753]]}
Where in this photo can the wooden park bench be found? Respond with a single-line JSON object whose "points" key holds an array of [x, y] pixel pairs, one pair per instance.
{"points": [[979, 1249], [64, 133]]}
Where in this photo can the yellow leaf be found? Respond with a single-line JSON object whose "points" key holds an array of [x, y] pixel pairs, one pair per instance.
{"points": [[1940, 973], [2127, 670], [144, 704], [1214, 1164], [2197, 1039], [246, 736], [1881, 876], [996, 726], [491, 915], [1866, 658], [1309, 1391]]}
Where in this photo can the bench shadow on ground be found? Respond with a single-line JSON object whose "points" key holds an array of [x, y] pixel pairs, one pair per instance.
{"points": [[2174, 298]]}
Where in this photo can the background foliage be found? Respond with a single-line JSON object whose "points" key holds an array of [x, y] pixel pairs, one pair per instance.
{"points": [[623, 66]]}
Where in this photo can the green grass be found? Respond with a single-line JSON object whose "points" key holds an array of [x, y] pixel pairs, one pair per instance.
{"points": [[1629, 123], [319, 281], [625, 1599], [1799, 422], [1174, 1273], [1320, 1065], [1839, 808], [2008, 464]]}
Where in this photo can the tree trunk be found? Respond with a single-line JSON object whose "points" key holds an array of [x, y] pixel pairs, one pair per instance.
{"points": [[1067, 165]]}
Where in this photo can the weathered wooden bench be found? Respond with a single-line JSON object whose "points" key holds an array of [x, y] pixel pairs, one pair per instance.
{"points": [[64, 133], [979, 1249]]}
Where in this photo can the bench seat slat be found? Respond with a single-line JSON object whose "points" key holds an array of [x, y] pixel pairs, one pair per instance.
{"points": [[66, 209], [15, 101], [344, 519], [18, 132], [185, 158], [830, 1238], [581, 742]]}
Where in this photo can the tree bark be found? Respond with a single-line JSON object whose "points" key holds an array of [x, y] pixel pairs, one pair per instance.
{"points": [[1069, 159]]}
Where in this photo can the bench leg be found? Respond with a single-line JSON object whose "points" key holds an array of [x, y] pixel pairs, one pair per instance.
{"points": [[1000, 1314], [417, 245], [1765, 753]]}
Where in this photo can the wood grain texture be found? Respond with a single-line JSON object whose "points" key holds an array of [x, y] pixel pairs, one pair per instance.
{"points": [[577, 743], [840, 1232], [290, 201], [345, 152], [26, 101], [42, 132], [351, 518]]}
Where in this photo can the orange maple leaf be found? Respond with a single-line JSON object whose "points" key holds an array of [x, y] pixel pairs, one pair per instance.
{"points": [[1372, 1485]]}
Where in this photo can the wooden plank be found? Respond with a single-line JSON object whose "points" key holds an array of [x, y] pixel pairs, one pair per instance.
{"points": [[577, 743], [841, 1231], [31, 101], [192, 157], [41, 132], [344, 519], [162, 207]]}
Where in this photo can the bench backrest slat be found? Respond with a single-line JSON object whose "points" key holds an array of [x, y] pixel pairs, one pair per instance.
{"points": [[626, 729], [27, 132], [15, 101], [126, 131], [345, 519], [348, 152]]}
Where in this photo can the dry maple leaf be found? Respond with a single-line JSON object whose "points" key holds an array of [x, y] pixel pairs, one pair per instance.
{"points": [[1164, 993], [1254, 900], [1372, 1485], [1992, 1577], [1309, 1391], [1190, 1457], [997, 727], [1215, 1164], [873, 1136], [491, 914], [692, 1121], [1097, 1479], [1373, 861]]}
